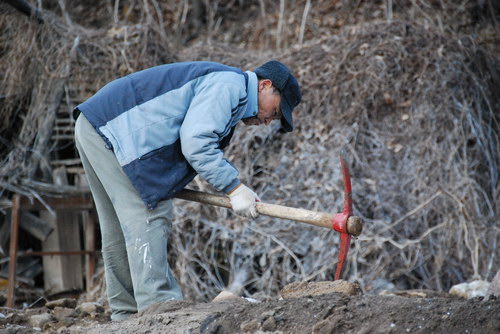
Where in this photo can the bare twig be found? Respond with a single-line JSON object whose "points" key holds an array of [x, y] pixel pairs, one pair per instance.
{"points": [[304, 20]]}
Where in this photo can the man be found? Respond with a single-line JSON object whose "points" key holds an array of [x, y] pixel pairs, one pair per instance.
{"points": [[144, 137]]}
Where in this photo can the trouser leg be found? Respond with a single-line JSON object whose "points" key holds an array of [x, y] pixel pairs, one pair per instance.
{"points": [[146, 234], [116, 269], [140, 234]]}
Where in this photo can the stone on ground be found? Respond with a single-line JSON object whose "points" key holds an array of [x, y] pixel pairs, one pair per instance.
{"points": [[303, 289], [64, 302], [470, 290], [40, 320], [226, 296], [494, 289]]}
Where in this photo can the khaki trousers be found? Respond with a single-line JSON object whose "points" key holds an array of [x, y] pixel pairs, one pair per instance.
{"points": [[134, 239]]}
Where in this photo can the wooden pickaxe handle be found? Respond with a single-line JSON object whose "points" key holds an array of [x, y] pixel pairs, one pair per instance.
{"points": [[354, 224]]}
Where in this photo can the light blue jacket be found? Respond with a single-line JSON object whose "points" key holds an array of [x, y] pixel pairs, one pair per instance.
{"points": [[170, 122]]}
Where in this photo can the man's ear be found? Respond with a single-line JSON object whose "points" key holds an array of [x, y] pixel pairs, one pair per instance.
{"points": [[264, 83]]}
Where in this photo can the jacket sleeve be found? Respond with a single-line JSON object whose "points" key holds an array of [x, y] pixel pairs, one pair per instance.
{"points": [[207, 120]]}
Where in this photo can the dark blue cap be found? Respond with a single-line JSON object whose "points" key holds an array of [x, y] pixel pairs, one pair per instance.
{"points": [[288, 86]]}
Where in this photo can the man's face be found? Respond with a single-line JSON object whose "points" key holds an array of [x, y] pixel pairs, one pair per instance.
{"points": [[269, 105]]}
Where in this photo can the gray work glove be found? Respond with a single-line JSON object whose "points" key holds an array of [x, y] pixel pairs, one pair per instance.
{"points": [[243, 201]]}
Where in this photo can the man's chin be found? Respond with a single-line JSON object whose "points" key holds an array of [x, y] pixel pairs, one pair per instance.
{"points": [[251, 121]]}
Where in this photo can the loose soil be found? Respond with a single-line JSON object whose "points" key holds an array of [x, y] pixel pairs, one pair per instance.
{"points": [[303, 310]]}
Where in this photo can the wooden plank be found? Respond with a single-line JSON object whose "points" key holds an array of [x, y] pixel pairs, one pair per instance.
{"points": [[62, 273], [75, 170], [14, 236], [89, 232], [66, 162], [72, 203], [62, 137], [5, 233], [37, 227], [63, 130], [60, 190]]}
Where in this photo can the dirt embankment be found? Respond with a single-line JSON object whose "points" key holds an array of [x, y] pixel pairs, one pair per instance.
{"points": [[331, 313], [303, 310]]}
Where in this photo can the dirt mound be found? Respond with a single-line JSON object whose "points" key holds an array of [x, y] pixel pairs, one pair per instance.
{"points": [[321, 314]]}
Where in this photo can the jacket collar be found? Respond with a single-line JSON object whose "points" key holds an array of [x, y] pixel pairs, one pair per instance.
{"points": [[252, 104]]}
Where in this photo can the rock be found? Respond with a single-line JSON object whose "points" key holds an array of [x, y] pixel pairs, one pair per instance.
{"points": [[63, 330], [15, 318], [323, 327], [250, 326], [267, 314], [90, 308], [64, 302], [229, 296], [225, 296], [416, 293], [61, 313], [302, 289], [39, 320], [494, 289], [380, 284], [269, 325], [470, 290]]}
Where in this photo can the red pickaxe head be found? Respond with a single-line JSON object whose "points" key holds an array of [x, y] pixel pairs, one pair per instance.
{"points": [[340, 221]]}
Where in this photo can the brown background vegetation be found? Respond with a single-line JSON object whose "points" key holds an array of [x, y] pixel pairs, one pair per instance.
{"points": [[409, 90]]}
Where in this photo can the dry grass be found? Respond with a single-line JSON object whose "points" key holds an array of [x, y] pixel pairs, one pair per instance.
{"points": [[415, 111]]}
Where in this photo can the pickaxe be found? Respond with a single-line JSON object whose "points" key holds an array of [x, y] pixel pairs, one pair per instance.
{"points": [[344, 223]]}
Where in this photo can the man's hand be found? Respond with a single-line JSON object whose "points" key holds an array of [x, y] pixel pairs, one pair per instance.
{"points": [[243, 201]]}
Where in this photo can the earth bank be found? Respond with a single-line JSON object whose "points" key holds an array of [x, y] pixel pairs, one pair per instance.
{"points": [[303, 310]]}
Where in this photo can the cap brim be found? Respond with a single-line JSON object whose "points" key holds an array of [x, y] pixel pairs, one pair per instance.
{"points": [[286, 119]]}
